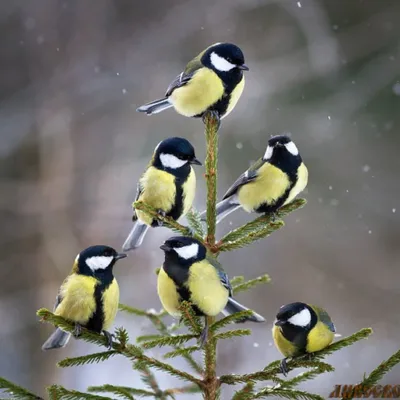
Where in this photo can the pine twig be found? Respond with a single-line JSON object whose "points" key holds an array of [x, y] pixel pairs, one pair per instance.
{"points": [[376, 375], [258, 228], [167, 221], [195, 222], [176, 340], [87, 359], [251, 283], [16, 391], [57, 392], [122, 391], [230, 319], [128, 350], [286, 394]]}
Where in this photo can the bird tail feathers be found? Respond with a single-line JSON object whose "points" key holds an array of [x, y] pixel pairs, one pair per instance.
{"points": [[135, 237], [234, 307], [155, 106], [58, 339], [224, 208]]}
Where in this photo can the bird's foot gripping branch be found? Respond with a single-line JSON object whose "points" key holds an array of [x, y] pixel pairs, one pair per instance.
{"points": [[202, 377]]}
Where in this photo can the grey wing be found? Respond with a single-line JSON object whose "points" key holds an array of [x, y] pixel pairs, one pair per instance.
{"points": [[246, 177], [58, 301], [325, 318], [179, 81], [139, 191], [222, 274]]}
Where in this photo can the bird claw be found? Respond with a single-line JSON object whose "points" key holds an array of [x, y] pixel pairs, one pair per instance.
{"points": [[163, 214], [109, 339], [77, 330], [273, 216], [283, 367], [203, 337]]}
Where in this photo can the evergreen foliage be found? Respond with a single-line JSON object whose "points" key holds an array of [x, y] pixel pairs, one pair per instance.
{"points": [[202, 378]]}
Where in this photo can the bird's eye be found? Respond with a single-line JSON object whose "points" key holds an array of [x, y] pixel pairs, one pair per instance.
{"points": [[178, 244], [107, 253]]}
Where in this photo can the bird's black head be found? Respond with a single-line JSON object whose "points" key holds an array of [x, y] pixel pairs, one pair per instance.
{"points": [[224, 58], [296, 315], [283, 153], [186, 250], [175, 153], [97, 261]]}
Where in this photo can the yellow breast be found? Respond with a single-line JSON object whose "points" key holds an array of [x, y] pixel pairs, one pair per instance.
{"points": [[167, 293], [78, 303], [235, 96], [189, 191], [110, 303], [302, 179], [207, 292], [268, 187], [202, 91], [319, 337], [282, 344], [158, 192]]}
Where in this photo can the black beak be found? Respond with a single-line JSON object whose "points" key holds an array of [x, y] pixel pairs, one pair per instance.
{"points": [[280, 323], [243, 67], [120, 255], [195, 161], [165, 247]]}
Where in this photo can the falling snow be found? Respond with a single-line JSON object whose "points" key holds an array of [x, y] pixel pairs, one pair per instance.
{"points": [[117, 73], [239, 145], [329, 117], [298, 4], [370, 232], [124, 91], [255, 344], [366, 168], [396, 88], [330, 188], [393, 210]]}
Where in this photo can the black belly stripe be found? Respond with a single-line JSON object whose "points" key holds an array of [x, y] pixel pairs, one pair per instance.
{"points": [[297, 336], [96, 321], [185, 295], [177, 209]]}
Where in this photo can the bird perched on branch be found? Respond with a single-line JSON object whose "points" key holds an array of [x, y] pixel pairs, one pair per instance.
{"points": [[188, 274], [301, 328], [168, 185], [271, 182], [212, 81], [89, 296]]}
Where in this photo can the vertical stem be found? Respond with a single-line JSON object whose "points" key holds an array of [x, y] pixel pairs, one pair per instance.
{"points": [[211, 122], [211, 130]]}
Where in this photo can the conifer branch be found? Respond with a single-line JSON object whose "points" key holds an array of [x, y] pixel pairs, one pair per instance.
{"points": [[181, 352], [195, 222], [128, 350], [149, 379], [250, 237], [148, 338], [376, 375], [176, 340], [237, 280], [183, 389], [211, 131], [251, 283], [189, 318], [259, 227], [167, 221], [87, 359], [121, 391], [245, 392], [232, 334], [230, 319], [16, 391], [285, 393], [57, 392]]}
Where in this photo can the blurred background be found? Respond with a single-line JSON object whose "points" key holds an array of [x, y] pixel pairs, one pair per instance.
{"points": [[72, 149]]}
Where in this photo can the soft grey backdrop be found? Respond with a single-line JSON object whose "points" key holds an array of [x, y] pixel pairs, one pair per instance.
{"points": [[72, 149]]}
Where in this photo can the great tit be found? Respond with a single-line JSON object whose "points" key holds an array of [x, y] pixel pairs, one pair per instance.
{"points": [[89, 296], [271, 182], [212, 81], [168, 185], [300, 328], [189, 274]]}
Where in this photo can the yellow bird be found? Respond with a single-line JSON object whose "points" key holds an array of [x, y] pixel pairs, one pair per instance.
{"points": [[212, 81], [188, 274], [168, 185], [301, 328], [270, 183], [89, 296]]}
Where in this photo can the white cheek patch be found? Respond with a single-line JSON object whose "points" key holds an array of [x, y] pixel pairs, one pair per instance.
{"points": [[303, 318], [268, 153], [187, 252], [220, 63], [170, 161], [99, 262], [292, 148]]}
